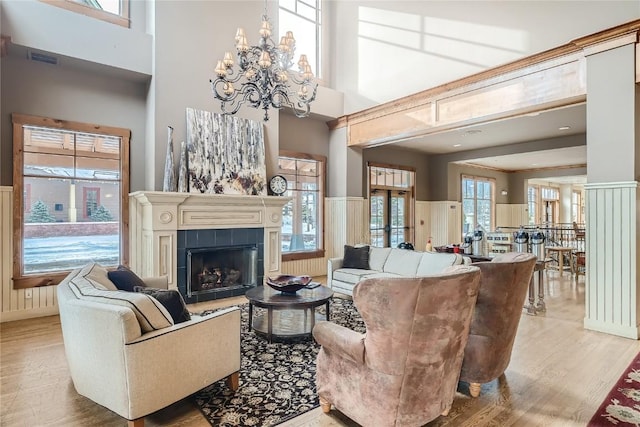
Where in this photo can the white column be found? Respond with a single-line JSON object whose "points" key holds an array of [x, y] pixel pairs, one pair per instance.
{"points": [[72, 212], [613, 163], [566, 192]]}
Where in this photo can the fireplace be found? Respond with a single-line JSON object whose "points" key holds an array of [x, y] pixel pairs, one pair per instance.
{"points": [[221, 269], [165, 226], [219, 263]]}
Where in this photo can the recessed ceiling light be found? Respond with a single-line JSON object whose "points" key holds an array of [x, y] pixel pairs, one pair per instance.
{"points": [[534, 164], [564, 128], [457, 145]]}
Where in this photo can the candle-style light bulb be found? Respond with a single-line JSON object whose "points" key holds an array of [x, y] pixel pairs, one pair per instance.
{"points": [[228, 60], [265, 60], [220, 69]]}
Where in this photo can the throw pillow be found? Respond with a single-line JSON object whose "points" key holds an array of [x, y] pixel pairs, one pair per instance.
{"points": [[125, 279], [171, 300], [356, 257], [98, 276]]}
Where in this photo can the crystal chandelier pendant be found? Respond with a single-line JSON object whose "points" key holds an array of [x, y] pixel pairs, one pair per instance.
{"points": [[261, 75]]}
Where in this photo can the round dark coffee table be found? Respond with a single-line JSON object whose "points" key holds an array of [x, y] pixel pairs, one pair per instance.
{"points": [[287, 315]]}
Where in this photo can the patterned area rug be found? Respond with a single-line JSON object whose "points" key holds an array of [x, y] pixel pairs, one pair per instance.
{"points": [[621, 407], [277, 380]]}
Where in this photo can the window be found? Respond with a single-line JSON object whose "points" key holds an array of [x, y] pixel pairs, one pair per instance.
{"points": [[303, 216], [391, 201], [532, 204], [577, 207], [477, 203], [550, 201], [114, 11], [87, 166], [303, 18], [90, 201], [27, 197]]}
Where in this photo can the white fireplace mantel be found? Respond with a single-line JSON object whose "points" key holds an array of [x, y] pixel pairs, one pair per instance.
{"points": [[155, 218]]}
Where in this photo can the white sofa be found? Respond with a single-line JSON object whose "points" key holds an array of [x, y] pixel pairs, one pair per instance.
{"points": [[125, 353], [389, 262]]}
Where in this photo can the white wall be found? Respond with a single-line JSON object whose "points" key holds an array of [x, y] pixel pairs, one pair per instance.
{"points": [[384, 50]]}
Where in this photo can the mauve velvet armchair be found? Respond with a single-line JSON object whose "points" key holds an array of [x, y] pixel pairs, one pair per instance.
{"points": [[503, 287], [404, 370]]}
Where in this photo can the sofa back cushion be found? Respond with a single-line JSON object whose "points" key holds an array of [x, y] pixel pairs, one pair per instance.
{"points": [[435, 263], [403, 262], [377, 258], [150, 313]]}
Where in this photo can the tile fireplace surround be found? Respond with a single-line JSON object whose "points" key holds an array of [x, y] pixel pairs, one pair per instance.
{"points": [[155, 218]]}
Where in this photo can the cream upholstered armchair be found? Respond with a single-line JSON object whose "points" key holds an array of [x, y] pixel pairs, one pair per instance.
{"points": [[503, 287], [404, 370], [125, 353]]}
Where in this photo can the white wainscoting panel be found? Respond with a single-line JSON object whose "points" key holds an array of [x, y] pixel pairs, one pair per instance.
{"points": [[310, 267], [13, 303], [511, 215], [346, 220], [612, 299], [446, 222], [423, 224]]}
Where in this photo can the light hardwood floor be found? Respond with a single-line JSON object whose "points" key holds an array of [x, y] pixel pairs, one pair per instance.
{"points": [[558, 375]]}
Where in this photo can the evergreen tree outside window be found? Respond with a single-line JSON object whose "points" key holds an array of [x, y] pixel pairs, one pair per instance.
{"points": [[40, 213], [101, 214]]}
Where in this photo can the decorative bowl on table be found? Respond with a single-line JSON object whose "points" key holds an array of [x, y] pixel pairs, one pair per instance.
{"points": [[288, 284]]}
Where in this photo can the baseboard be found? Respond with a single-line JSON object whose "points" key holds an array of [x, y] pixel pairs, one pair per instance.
{"points": [[613, 329], [10, 316]]}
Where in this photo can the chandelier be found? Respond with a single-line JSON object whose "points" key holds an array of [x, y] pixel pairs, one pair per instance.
{"points": [[262, 76]]}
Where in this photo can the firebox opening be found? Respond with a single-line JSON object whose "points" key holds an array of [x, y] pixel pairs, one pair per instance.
{"points": [[221, 268]]}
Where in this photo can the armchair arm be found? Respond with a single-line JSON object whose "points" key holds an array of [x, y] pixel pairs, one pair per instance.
{"points": [[332, 265], [161, 282], [340, 340]]}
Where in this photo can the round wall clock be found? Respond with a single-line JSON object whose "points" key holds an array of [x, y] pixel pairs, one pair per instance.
{"points": [[278, 185]]}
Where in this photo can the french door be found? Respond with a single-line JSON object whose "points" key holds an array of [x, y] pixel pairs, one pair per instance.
{"points": [[389, 211]]}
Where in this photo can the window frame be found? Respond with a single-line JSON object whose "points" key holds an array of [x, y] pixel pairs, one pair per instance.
{"points": [[21, 281], [317, 253], [492, 203], [318, 22], [122, 19], [407, 191]]}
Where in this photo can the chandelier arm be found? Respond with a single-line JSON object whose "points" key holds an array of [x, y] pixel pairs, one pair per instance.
{"points": [[300, 107]]}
